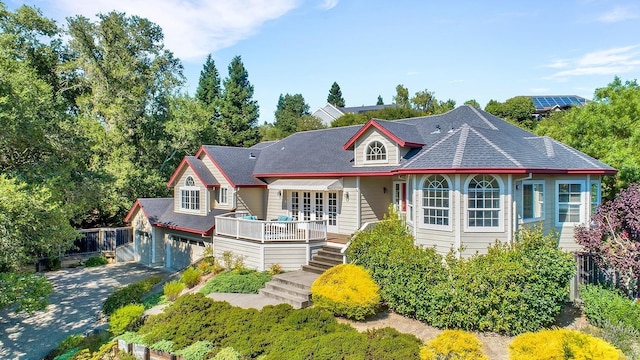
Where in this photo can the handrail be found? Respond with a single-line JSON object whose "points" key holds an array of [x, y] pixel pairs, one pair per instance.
{"points": [[236, 226]]}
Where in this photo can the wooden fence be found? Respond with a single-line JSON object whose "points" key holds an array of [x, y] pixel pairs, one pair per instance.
{"points": [[590, 273], [100, 240]]}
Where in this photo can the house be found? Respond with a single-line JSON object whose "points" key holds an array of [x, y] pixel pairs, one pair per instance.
{"points": [[545, 104], [462, 180], [330, 112]]}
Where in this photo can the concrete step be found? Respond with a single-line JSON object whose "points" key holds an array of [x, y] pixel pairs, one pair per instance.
{"points": [[299, 279], [332, 249], [322, 264], [273, 286], [313, 269], [327, 260], [294, 301], [330, 255]]}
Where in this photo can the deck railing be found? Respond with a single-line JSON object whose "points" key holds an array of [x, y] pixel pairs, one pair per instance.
{"points": [[235, 225]]}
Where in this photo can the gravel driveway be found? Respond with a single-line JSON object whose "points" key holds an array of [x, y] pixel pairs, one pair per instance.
{"points": [[75, 308]]}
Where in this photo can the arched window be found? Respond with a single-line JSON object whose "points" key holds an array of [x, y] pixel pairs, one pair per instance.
{"points": [[376, 151], [436, 201], [189, 195], [484, 205]]}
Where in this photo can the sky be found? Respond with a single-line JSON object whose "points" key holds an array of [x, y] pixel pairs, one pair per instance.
{"points": [[459, 50]]}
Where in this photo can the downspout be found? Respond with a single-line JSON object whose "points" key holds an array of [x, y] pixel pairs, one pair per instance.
{"points": [[514, 210], [357, 200], [457, 213]]}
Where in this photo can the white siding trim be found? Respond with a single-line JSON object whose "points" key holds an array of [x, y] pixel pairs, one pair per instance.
{"points": [[510, 207], [457, 210]]}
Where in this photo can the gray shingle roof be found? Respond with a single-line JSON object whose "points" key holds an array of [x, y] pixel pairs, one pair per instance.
{"points": [[467, 138], [160, 213], [201, 171], [364, 108], [237, 163]]}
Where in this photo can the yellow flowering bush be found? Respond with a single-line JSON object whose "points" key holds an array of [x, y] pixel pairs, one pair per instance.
{"points": [[453, 344], [561, 344], [346, 290]]}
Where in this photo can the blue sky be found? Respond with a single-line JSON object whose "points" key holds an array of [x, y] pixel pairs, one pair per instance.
{"points": [[461, 50]]}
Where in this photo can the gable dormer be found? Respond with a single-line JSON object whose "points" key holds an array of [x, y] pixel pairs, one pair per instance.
{"points": [[192, 182], [383, 143]]}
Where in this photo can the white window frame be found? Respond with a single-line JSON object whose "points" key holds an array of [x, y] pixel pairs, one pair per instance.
{"points": [[533, 183], [500, 208], [378, 161], [593, 205], [410, 213], [449, 199], [580, 203], [223, 196], [190, 192]]}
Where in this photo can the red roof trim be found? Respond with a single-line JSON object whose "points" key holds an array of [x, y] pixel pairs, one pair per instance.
{"points": [[203, 150], [386, 132], [175, 174], [132, 210], [192, 231], [444, 171]]}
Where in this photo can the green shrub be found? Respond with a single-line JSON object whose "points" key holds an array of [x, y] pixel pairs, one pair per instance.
{"points": [[275, 269], [514, 288], [196, 351], [153, 300], [54, 263], [162, 345], [96, 261], [190, 277], [227, 353], [607, 305], [346, 290], [561, 344], [245, 282], [172, 290], [70, 342], [453, 344], [131, 337], [130, 294], [390, 344], [122, 318], [622, 337]]}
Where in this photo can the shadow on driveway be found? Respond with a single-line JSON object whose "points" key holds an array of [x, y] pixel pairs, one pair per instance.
{"points": [[75, 308]]}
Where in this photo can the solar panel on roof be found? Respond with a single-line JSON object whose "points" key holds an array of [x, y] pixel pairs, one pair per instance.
{"points": [[541, 102]]}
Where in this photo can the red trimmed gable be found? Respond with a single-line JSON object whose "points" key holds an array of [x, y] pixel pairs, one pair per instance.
{"points": [[389, 134], [132, 211], [178, 171], [204, 151]]}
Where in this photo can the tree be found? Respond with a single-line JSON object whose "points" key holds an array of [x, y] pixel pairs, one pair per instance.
{"points": [[494, 107], [402, 96], [424, 101], [238, 111], [208, 91], [309, 122], [613, 236], [518, 110], [444, 106], [607, 128], [473, 103], [288, 112], [380, 101], [335, 95]]}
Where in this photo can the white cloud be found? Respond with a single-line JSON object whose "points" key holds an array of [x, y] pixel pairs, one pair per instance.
{"points": [[618, 14], [613, 61], [558, 64], [192, 28], [329, 4]]}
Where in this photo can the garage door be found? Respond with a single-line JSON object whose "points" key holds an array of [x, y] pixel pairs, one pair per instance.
{"points": [[183, 251]]}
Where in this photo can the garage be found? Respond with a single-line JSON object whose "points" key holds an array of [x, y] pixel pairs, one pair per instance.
{"points": [[182, 251]]}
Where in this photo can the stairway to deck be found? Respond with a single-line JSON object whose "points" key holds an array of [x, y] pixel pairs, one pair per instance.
{"points": [[294, 287]]}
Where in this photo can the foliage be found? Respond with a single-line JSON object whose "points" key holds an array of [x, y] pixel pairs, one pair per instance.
{"points": [[289, 110], [81, 347], [606, 128], [512, 289], [401, 99], [380, 101], [162, 345], [96, 261], [244, 282], [196, 351], [561, 344], [130, 294], [518, 110], [335, 95], [473, 103], [23, 292], [25, 213], [622, 337], [125, 316], [208, 91], [131, 337], [275, 332], [453, 344], [153, 300], [604, 305], [613, 236], [275, 269], [346, 290], [190, 277], [227, 353], [172, 290], [238, 111]]}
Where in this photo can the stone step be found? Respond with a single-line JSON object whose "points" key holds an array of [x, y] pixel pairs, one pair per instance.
{"points": [[294, 301], [302, 294]]}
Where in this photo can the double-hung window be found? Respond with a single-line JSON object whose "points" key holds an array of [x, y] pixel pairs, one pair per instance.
{"points": [[532, 201], [569, 202], [483, 203], [436, 200], [189, 195], [224, 196]]}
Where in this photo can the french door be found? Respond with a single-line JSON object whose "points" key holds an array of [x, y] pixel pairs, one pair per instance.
{"points": [[315, 205]]}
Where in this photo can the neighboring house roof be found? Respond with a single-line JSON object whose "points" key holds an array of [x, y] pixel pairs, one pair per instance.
{"points": [[236, 164], [465, 139], [330, 112], [403, 134], [160, 213], [362, 109], [264, 144], [203, 174]]}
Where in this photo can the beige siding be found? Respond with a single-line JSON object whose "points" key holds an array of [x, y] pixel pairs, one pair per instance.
{"points": [[441, 240], [374, 202], [251, 252], [276, 205], [252, 201], [180, 183], [290, 257], [370, 135], [348, 218], [217, 174], [142, 232]]}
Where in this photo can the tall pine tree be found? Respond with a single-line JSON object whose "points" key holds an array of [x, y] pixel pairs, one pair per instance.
{"points": [[289, 111], [335, 95], [239, 113], [380, 101], [209, 84]]}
